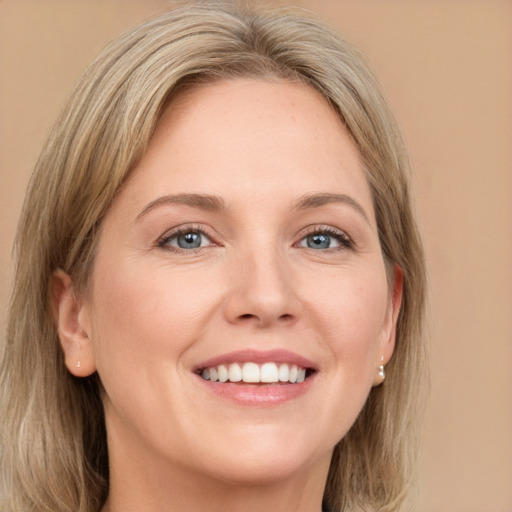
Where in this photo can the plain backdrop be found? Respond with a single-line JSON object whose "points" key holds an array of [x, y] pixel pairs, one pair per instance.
{"points": [[446, 68]]}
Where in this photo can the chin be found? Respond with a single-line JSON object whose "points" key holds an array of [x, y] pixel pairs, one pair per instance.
{"points": [[262, 470], [265, 458]]}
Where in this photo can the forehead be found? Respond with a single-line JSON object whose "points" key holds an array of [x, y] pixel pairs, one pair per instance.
{"points": [[250, 137]]}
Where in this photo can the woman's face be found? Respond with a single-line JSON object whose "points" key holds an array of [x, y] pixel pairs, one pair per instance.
{"points": [[243, 246]]}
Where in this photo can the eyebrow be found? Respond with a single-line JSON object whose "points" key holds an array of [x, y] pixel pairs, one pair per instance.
{"points": [[201, 201], [321, 199], [214, 203]]}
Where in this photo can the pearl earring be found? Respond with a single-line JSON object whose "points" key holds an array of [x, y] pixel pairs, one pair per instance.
{"points": [[78, 364], [382, 373]]}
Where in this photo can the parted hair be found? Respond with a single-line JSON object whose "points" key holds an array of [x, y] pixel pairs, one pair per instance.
{"points": [[54, 455]]}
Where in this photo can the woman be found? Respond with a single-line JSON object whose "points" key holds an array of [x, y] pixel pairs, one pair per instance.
{"points": [[220, 286]]}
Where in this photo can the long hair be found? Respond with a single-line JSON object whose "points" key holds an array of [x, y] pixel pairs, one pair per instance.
{"points": [[54, 454]]}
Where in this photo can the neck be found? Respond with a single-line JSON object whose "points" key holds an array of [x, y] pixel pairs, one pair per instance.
{"points": [[198, 495], [137, 484]]}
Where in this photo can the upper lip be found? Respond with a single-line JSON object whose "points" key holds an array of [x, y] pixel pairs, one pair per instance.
{"points": [[259, 357]]}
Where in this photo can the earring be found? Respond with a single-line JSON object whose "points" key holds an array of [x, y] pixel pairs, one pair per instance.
{"points": [[78, 364], [382, 373]]}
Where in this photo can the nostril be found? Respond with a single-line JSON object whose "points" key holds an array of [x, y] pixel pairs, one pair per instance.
{"points": [[248, 316]]}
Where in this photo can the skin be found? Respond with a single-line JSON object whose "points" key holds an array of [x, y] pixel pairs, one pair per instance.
{"points": [[153, 312]]}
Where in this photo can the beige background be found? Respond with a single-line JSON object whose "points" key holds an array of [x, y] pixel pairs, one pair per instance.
{"points": [[446, 67]]}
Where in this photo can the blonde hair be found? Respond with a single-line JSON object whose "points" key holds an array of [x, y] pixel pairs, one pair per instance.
{"points": [[54, 455]]}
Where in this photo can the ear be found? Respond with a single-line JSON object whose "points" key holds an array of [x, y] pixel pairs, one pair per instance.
{"points": [[387, 343], [73, 326]]}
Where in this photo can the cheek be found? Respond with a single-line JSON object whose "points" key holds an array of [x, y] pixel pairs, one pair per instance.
{"points": [[350, 312], [144, 318], [143, 326]]}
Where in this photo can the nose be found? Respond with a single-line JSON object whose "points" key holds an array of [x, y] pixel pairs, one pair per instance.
{"points": [[262, 290]]}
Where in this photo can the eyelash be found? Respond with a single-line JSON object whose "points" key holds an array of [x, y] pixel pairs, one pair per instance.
{"points": [[342, 238]]}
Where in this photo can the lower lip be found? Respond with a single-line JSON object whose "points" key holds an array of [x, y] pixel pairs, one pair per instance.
{"points": [[258, 394]]}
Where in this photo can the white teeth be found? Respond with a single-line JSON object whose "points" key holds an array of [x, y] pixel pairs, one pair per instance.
{"points": [[284, 373], [293, 373], [269, 373], [223, 373], [253, 373], [235, 372]]}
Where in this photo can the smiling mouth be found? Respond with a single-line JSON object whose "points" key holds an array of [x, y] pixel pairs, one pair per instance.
{"points": [[253, 373]]}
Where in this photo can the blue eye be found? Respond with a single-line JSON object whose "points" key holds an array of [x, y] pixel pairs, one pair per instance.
{"points": [[318, 241], [186, 239], [189, 240], [325, 239]]}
